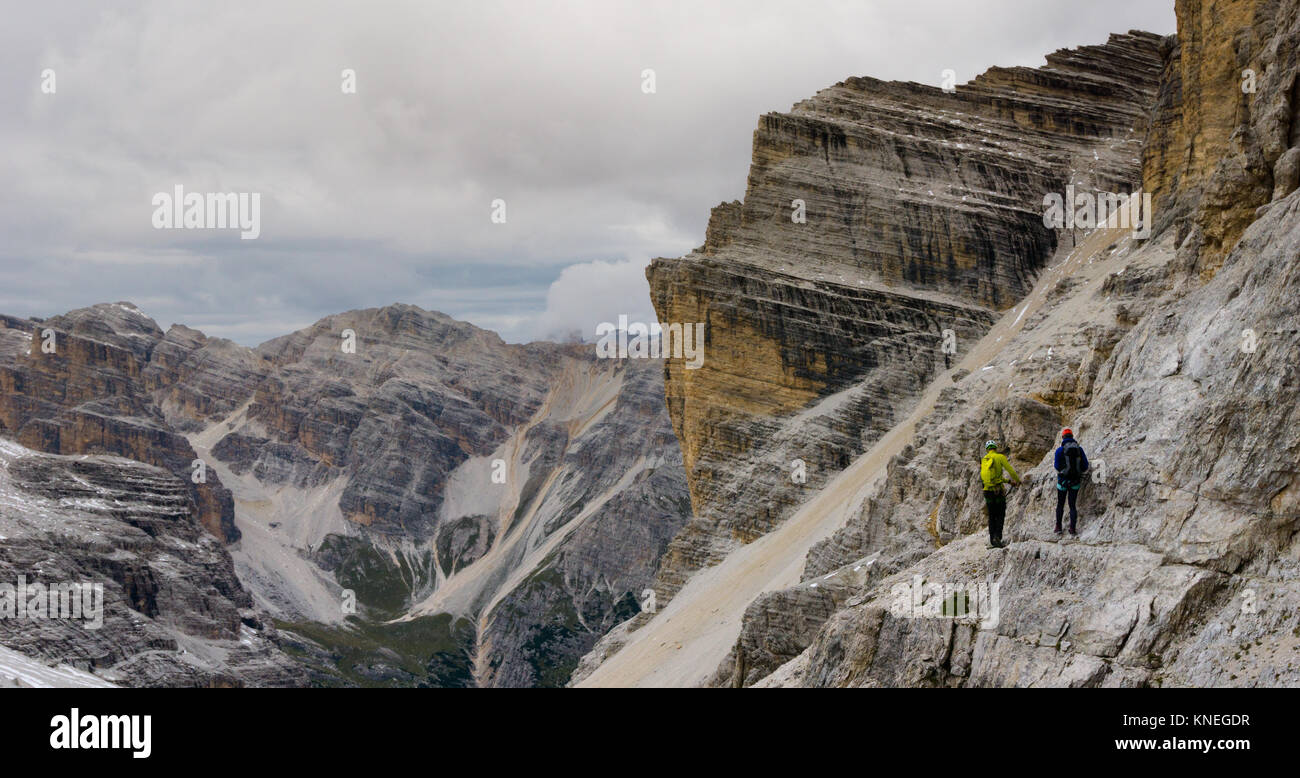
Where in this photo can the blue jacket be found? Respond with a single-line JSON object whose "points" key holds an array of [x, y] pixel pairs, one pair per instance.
{"points": [[1061, 480]]}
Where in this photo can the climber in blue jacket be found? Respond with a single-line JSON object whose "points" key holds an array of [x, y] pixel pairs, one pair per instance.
{"points": [[1071, 464]]}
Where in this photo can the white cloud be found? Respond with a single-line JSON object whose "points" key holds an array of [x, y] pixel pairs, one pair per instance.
{"points": [[587, 294]]}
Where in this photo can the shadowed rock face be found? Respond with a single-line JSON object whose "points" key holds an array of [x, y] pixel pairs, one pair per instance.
{"points": [[167, 584], [620, 485], [924, 213]]}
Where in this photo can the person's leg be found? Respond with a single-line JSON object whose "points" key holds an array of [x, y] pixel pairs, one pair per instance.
{"points": [[988, 505], [997, 516], [988, 509], [1074, 513], [1060, 507]]}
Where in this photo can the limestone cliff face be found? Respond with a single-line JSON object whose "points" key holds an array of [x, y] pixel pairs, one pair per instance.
{"points": [[923, 212], [1226, 120], [90, 392], [418, 395], [195, 379]]}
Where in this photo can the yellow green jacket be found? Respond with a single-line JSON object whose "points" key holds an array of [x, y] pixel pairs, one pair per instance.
{"points": [[991, 470]]}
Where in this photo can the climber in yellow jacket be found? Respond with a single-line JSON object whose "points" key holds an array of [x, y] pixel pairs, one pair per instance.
{"points": [[993, 469]]}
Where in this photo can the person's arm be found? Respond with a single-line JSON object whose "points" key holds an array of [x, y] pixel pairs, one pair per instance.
{"points": [[1084, 458], [1056, 462], [1015, 477]]}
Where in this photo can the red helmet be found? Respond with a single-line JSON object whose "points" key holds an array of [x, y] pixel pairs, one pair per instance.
{"points": [[1066, 432]]}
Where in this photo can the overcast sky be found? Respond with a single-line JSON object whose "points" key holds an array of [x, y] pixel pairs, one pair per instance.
{"points": [[386, 195]]}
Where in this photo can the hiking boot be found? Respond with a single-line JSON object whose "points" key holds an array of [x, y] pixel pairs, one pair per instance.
{"points": [[1058, 529], [1073, 532]]}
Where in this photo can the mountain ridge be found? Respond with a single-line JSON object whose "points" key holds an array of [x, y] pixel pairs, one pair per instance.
{"points": [[360, 455]]}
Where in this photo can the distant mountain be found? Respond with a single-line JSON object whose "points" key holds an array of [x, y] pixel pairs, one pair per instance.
{"points": [[492, 508]]}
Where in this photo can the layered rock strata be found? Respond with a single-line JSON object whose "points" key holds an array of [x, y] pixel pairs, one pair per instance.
{"points": [[880, 222], [162, 607], [81, 384]]}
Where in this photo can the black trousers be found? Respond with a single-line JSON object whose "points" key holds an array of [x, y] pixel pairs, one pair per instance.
{"points": [[997, 504], [1071, 494]]}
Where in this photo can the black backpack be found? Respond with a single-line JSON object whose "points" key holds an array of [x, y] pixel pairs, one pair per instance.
{"points": [[1073, 471]]}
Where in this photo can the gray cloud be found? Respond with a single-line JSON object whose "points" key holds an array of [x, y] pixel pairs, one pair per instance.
{"points": [[385, 195]]}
